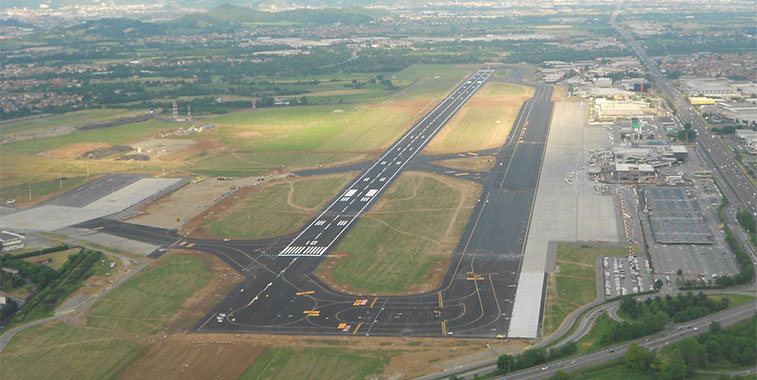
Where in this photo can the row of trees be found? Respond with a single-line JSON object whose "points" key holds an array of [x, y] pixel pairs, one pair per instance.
{"points": [[529, 358], [734, 345], [652, 315], [67, 280], [680, 308]]}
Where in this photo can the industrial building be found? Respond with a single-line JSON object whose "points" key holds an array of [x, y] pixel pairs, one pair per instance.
{"points": [[636, 173], [11, 241]]}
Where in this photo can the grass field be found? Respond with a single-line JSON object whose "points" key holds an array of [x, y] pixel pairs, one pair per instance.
{"points": [[96, 350], [301, 137], [403, 244], [275, 208], [145, 305], [30, 167], [42, 173], [58, 258], [575, 283], [117, 135], [316, 363], [478, 163], [245, 143], [484, 121], [68, 119]]}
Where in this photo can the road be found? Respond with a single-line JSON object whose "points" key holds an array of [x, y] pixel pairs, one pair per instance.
{"points": [[77, 309], [721, 161], [670, 335], [280, 294]]}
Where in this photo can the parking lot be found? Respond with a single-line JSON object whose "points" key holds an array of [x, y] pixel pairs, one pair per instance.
{"points": [[695, 261], [626, 275]]}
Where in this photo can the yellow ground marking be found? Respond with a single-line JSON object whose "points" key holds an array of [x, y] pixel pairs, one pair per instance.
{"points": [[357, 328]]}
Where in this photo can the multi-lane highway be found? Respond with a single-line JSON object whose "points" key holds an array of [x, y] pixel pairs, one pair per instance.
{"points": [[336, 219], [710, 147], [280, 294], [670, 335]]}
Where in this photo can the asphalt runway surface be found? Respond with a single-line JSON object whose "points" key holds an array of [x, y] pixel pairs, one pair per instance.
{"points": [[281, 295], [93, 190]]}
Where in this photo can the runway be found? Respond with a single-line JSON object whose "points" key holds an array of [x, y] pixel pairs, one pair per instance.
{"points": [[329, 227], [280, 295]]}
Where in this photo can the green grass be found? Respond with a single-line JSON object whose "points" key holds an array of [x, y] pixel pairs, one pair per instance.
{"points": [[58, 258], [612, 370], [734, 300], [485, 121], [99, 350], [38, 189], [60, 351], [147, 303], [117, 135], [255, 164], [68, 119], [591, 341], [266, 211], [408, 234], [575, 284], [317, 363]]}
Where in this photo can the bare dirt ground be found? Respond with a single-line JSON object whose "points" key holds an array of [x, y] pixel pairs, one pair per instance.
{"points": [[188, 202], [72, 151], [478, 163], [165, 148]]}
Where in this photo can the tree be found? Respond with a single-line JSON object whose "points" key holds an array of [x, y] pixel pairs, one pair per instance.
{"points": [[676, 369], [659, 362], [506, 362], [715, 327], [657, 285], [638, 358], [559, 375], [712, 351]]}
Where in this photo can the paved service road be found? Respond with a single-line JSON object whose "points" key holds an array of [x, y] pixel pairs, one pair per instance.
{"points": [[281, 295]]}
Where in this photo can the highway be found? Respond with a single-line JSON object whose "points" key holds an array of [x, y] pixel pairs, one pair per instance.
{"points": [[719, 158], [335, 220], [670, 335]]}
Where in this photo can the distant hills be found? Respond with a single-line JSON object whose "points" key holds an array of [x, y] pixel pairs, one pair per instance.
{"points": [[226, 16], [206, 4]]}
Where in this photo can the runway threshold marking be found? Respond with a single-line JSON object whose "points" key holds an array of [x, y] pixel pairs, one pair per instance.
{"points": [[357, 328], [439, 294], [444, 328]]}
